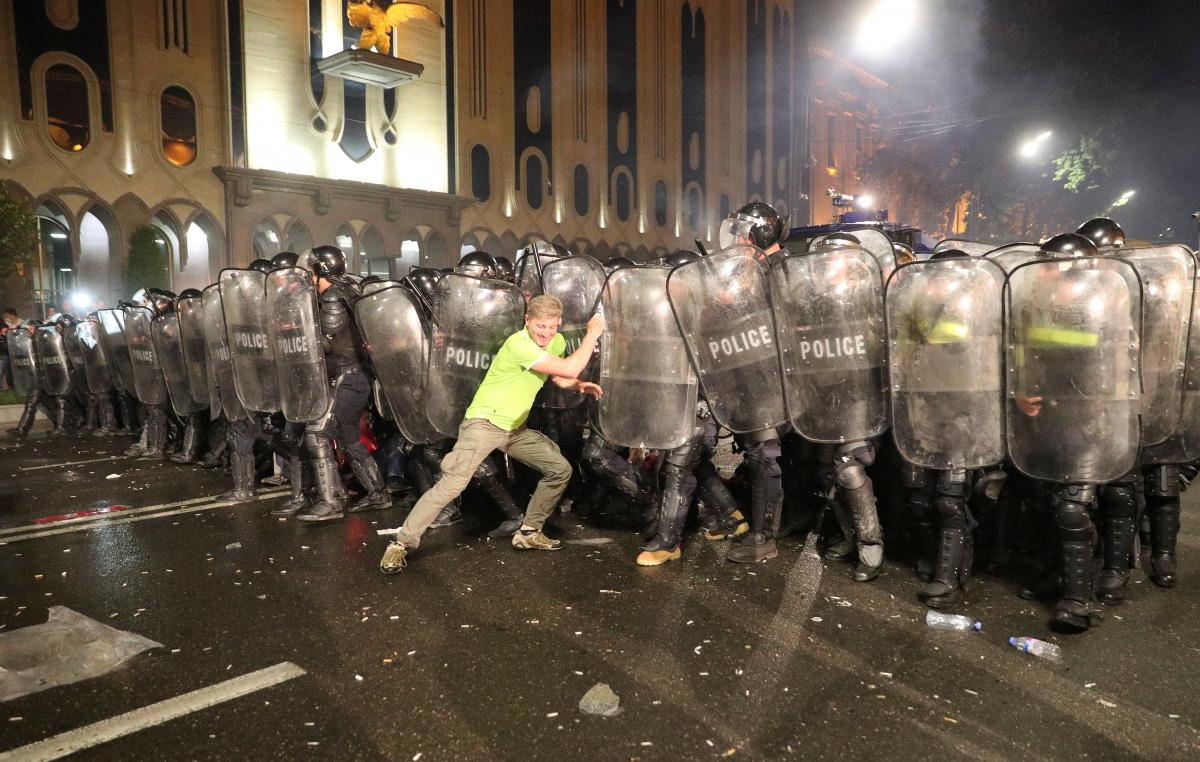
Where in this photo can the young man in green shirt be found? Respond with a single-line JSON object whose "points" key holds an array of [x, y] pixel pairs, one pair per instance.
{"points": [[495, 420]]}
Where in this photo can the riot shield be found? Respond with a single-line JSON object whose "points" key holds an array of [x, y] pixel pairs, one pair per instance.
{"points": [[293, 328], [1167, 274], [1013, 254], [394, 329], [250, 349], [53, 367], [191, 331], [1183, 446], [95, 361], [168, 343], [577, 283], [945, 344], [529, 270], [722, 304], [148, 379], [74, 349], [1072, 357], [650, 390], [23, 362], [972, 248], [116, 348], [829, 307], [222, 395], [474, 317], [876, 243]]}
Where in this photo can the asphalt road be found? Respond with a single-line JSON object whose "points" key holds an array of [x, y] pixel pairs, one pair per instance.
{"points": [[478, 651]]}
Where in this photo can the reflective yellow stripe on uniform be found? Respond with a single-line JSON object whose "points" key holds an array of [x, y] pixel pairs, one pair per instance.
{"points": [[948, 332], [1062, 337]]}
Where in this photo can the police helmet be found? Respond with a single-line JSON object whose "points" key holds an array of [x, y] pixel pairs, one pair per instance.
{"points": [[949, 254], [681, 257], [903, 253], [160, 301], [285, 259], [1069, 245], [505, 269], [616, 263], [479, 264], [328, 262], [189, 293], [262, 265], [757, 222], [1103, 231]]}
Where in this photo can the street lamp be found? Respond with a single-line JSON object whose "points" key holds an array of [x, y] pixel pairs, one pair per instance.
{"points": [[1030, 148], [886, 25]]}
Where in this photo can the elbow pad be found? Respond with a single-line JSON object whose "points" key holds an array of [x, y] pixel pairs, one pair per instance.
{"points": [[335, 312]]}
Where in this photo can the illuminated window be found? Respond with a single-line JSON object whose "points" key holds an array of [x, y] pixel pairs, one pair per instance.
{"points": [[67, 117], [178, 126], [693, 208], [265, 243]]}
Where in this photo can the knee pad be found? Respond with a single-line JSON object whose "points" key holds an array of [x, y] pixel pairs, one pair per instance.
{"points": [[357, 451], [1071, 503], [1118, 500], [318, 445], [850, 474]]}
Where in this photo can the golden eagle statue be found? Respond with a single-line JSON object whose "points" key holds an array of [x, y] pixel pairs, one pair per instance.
{"points": [[377, 24]]}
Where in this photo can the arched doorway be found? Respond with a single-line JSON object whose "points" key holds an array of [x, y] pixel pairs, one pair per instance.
{"points": [[52, 275]]}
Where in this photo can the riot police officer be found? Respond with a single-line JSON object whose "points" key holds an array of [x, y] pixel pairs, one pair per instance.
{"points": [[351, 392]]}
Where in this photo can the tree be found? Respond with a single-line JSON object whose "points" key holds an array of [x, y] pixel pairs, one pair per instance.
{"points": [[18, 234], [147, 264], [1082, 166]]}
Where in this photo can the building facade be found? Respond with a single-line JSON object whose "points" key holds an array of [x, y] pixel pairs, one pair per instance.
{"points": [[241, 128]]}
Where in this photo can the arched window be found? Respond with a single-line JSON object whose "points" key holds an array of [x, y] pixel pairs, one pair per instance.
{"points": [[68, 119], [344, 240], [298, 238], [178, 125], [660, 203], [57, 276], [481, 173], [370, 253], [535, 182], [265, 243], [581, 190], [469, 244], [435, 248], [693, 208]]}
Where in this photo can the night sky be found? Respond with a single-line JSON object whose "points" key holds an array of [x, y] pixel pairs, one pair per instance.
{"points": [[986, 75]]}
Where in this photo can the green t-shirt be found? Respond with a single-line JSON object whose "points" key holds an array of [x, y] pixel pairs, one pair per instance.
{"points": [[509, 388]]}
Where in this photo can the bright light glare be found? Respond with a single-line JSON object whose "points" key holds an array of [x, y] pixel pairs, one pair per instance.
{"points": [[1030, 148], [1044, 136], [886, 25], [1128, 194], [81, 300], [57, 234], [864, 201]]}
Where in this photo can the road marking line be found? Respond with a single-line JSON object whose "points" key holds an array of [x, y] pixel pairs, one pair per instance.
{"points": [[74, 463], [97, 517], [104, 731], [102, 521]]}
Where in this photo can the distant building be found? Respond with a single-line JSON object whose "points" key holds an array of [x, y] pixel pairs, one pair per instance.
{"points": [[843, 130], [623, 126]]}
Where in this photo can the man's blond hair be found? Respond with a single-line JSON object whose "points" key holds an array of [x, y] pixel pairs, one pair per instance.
{"points": [[543, 306]]}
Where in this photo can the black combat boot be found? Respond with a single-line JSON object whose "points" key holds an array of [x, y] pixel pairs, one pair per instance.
{"points": [[25, 423], [243, 480], [331, 501], [930, 545], [946, 587], [1074, 611], [1164, 530], [298, 501], [377, 497], [672, 514], [189, 449], [1119, 533]]}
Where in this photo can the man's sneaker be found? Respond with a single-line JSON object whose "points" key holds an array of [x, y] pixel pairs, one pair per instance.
{"points": [[658, 557], [534, 540], [733, 525], [393, 558]]}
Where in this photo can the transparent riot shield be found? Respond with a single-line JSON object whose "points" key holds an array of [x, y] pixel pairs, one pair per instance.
{"points": [[530, 267], [1167, 274], [876, 243], [191, 330], [53, 367], [829, 307], [222, 395], [1013, 254], [168, 343], [945, 344], [1183, 446], [972, 248], [250, 350], [394, 328], [23, 362], [722, 304], [650, 390], [474, 317], [148, 381], [95, 361], [116, 348], [293, 328], [577, 283], [1072, 357]]}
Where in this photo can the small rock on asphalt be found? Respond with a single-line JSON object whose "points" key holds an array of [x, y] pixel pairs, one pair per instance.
{"points": [[600, 700]]}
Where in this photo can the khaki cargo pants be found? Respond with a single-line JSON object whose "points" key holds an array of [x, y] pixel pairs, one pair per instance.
{"points": [[477, 437]]}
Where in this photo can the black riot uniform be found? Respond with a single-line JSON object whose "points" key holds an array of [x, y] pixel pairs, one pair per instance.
{"points": [[351, 391], [36, 399]]}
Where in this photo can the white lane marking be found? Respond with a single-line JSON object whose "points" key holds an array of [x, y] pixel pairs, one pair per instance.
{"points": [[104, 731], [125, 519], [73, 463]]}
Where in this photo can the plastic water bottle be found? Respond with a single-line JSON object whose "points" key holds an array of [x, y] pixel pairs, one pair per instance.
{"points": [[940, 621], [1038, 648]]}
